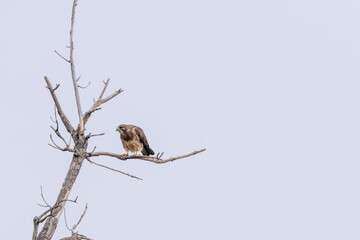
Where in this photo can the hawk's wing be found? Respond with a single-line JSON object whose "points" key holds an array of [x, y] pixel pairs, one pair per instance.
{"points": [[147, 150]]}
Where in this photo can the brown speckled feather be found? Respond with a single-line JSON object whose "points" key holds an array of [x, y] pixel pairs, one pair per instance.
{"points": [[146, 151]]}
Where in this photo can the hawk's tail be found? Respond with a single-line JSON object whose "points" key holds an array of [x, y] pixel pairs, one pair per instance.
{"points": [[147, 151]]}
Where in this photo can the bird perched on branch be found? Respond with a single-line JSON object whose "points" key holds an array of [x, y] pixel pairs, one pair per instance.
{"points": [[134, 140]]}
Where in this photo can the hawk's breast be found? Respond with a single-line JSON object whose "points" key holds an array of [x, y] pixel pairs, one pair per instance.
{"points": [[132, 145]]}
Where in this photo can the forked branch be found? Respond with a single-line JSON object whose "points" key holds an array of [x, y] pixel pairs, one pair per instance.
{"points": [[100, 101], [57, 132], [75, 235], [48, 213]]}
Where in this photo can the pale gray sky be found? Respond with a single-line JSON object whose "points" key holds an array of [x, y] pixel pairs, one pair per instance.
{"points": [[270, 88]]}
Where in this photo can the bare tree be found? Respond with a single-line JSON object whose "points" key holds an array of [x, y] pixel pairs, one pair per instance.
{"points": [[79, 148]]}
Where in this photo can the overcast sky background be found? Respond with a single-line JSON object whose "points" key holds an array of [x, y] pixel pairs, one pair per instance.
{"points": [[270, 88]]}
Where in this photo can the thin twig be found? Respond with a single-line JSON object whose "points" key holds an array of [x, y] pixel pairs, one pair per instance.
{"points": [[61, 56], [75, 226], [59, 135], [44, 206], [94, 135], [54, 146], [67, 226], [55, 143], [85, 86], [104, 89], [43, 197], [56, 87], [52, 118], [56, 121], [66, 148], [112, 169], [93, 150]]}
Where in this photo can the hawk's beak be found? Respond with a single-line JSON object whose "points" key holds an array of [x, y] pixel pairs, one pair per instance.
{"points": [[118, 129]]}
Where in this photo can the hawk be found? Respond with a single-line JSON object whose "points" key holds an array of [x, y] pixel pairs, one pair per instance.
{"points": [[134, 140]]}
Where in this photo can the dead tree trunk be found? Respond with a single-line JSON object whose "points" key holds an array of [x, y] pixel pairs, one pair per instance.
{"points": [[78, 158]]}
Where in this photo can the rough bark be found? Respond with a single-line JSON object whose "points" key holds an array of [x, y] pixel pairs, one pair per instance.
{"points": [[78, 158]]}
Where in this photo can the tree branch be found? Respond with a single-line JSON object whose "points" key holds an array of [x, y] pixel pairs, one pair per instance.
{"points": [[156, 159], [112, 169], [73, 73], [61, 113], [100, 101]]}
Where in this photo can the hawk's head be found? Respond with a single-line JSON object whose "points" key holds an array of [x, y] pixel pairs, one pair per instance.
{"points": [[121, 128]]}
